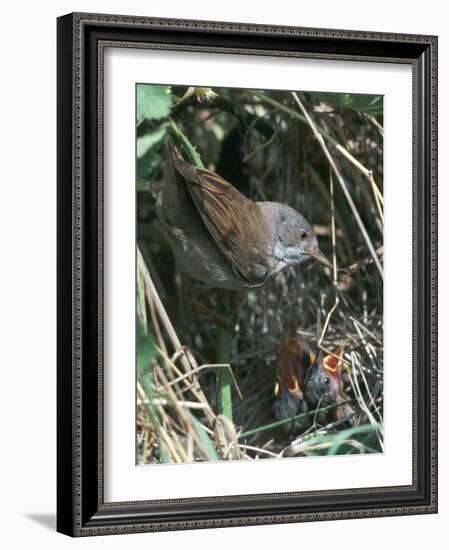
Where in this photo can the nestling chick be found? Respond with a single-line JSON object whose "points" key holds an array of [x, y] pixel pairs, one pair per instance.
{"points": [[292, 361], [323, 386]]}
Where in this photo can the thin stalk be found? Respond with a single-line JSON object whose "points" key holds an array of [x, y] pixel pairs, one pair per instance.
{"points": [[342, 183], [153, 297], [187, 147], [334, 261], [300, 416], [365, 171], [224, 396]]}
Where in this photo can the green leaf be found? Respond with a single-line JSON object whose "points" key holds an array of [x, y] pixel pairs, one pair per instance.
{"points": [[224, 394], [355, 433], [146, 352], [147, 146], [150, 140], [369, 104], [205, 439], [153, 101]]}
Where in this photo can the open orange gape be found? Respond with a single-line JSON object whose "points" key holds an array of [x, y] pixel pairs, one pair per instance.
{"points": [[312, 387]]}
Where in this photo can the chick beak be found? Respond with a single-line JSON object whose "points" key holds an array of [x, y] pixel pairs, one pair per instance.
{"points": [[318, 255]]}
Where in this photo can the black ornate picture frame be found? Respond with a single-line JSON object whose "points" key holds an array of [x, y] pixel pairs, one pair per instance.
{"points": [[81, 510]]}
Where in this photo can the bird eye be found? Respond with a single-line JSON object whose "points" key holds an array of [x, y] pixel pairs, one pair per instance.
{"points": [[303, 235], [326, 381]]}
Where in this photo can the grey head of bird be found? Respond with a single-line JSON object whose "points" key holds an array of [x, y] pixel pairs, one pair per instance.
{"points": [[294, 240]]}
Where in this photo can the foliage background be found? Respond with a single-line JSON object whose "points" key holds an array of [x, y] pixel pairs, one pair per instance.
{"points": [[261, 142]]}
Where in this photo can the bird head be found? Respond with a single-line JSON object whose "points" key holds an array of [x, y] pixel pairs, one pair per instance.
{"points": [[296, 241], [323, 383]]}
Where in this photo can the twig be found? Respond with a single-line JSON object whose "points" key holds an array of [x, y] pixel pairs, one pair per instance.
{"points": [[209, 366], [301, 416], [334, 262], [362, 263], [189, 93], [365, 171], [186, 404], [152, 294], [373, 336], [342, 183], [188, 148], [258, 450], [361, 401]]}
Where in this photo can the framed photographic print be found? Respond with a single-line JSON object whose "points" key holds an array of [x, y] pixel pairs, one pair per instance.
{"points": [[246, 274]]}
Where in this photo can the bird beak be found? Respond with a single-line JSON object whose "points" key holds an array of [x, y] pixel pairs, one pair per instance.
{"points": [[318, 255]]}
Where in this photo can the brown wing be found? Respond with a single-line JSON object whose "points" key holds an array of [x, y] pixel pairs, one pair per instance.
{"points": [[234, 221]]}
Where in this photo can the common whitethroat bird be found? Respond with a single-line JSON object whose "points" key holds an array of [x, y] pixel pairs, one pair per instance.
{"points": [[221, 237]]}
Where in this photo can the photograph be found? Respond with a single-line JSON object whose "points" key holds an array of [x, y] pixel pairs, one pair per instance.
{"points": [[259, 274], [247, 278]]}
